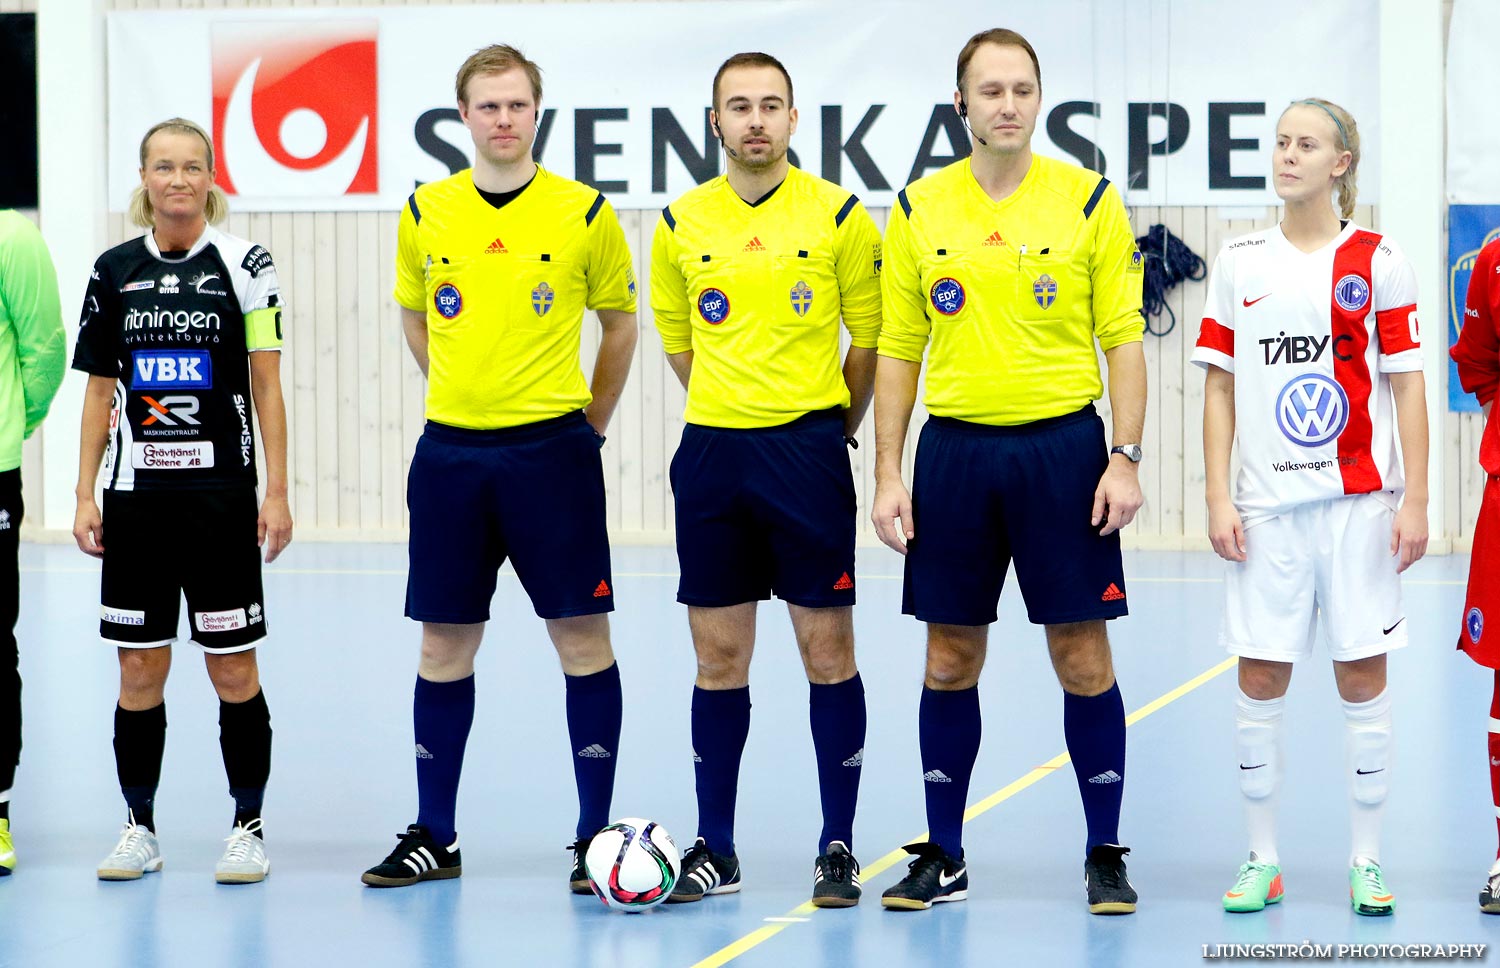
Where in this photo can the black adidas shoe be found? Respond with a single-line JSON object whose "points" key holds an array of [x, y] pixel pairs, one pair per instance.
{"points": [[417, 857], [578, 881], [1104, 878], [705, 872], [931, 878], [836, 878]]}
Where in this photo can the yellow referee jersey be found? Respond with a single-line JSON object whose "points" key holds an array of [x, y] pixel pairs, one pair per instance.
{"points": [[504, 291], [757, 291], [1011, 294]]}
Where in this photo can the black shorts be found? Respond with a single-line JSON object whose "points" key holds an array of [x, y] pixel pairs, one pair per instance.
{"points": [[982, 496], [162, 545], [533, 494], [765, 510]]}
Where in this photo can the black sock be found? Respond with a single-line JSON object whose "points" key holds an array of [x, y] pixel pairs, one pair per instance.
{"points": [[140, 737], [4, 809], [245, 740]]}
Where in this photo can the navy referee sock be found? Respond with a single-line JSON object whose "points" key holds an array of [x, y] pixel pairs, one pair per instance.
{"points": [[1094, 727], [721, 724], [595, 708], [442, 713], [837, 713], [948, 731]]}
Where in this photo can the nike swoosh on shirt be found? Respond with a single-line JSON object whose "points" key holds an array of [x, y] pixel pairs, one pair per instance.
{"points": [[1251, 302], [1393, 627]]}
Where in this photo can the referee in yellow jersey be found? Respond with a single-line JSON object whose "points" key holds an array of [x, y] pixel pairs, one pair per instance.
{"points": [[494, 269], [750, 275], [1006, 268]]}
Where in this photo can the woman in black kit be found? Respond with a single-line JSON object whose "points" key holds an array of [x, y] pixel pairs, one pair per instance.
{"points": [[180, 334]]}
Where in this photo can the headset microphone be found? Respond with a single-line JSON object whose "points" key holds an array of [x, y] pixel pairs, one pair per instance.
{"points": [[724, 144], [963, 112]]}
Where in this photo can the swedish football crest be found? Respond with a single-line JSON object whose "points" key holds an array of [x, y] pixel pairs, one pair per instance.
{"points": [[541, 299], [1045, 291], [802, 297]]}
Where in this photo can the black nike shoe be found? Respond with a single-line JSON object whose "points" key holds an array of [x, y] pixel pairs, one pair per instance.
{"points": [[836, 878], [705, 872], [1104, 877], [931, 878], [578, 881], [417, 857]]}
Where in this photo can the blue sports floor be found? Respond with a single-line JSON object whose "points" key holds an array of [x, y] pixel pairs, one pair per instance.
{"points": [[338, 675]]}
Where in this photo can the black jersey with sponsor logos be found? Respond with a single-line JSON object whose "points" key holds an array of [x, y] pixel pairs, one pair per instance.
{"points": [[176, 331]]}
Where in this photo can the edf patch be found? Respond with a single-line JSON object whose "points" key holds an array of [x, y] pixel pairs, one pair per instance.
{"points": [[713, 306], [448, 301], [947, 296], [802, 297]]}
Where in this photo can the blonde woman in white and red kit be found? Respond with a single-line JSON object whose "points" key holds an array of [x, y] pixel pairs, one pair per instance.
{"points": [[1314, 368]]}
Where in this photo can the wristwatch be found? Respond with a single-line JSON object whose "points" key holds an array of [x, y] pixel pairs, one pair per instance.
{"points": [[1132, 452]]}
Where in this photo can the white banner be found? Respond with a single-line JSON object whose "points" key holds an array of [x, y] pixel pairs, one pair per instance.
{"points": [[1473, 114], [348, 109]]}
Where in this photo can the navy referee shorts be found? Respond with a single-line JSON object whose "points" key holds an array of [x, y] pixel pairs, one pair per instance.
{"points": [[533, 494], [765, 510], [983, 496]]}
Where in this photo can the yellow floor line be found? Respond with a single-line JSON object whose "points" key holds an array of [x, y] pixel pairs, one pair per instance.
{"points": [[801, 912]]}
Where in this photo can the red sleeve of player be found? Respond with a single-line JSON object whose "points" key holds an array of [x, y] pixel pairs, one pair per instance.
{"points": [[1216, 333], [1477, 351]]}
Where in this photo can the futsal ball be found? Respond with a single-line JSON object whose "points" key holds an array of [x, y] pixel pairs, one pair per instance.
{"points": [[632, 864]]}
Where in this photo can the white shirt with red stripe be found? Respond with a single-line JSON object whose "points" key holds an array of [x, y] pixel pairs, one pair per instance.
{"points": [[1310, 337]]}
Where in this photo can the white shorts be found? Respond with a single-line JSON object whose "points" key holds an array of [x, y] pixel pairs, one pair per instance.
{"points": [[1328, 557]]}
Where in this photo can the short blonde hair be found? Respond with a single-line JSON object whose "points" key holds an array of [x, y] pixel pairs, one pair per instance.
{"points": [[1348, 140], [140, 203], [497, 59]]}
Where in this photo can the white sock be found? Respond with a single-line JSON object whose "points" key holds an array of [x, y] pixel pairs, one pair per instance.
{"points": [[1257, 743], [1368, 747]]}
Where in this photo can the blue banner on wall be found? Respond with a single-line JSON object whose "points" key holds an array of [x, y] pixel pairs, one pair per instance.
{"points": [[1470, 227]]}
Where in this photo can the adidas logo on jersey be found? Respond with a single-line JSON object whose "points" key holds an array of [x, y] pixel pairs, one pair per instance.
{"points": [[594, 752], [844, 583], [1108, 776], [422, 753], [496, 248], [937, 776], [858, 759], [1112, 593], [602, 590], [754, 245], [994, 238]]}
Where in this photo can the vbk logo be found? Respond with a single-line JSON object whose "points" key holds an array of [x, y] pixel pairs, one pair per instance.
{"points": [[295, 107], [1351, 293], [713, 306], [1312, 410], [182, 369], [947, 296], [448, 300]]}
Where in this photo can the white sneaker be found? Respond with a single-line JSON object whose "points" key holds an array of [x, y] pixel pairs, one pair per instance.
{"points": [[244, 860], [136, 854]]}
